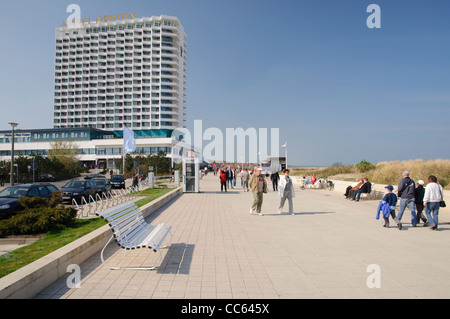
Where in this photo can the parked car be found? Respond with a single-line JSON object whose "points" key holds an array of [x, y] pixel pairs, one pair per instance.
{"points": [[51, 187], [117, 181], [9, 197], [92, 176], [77, 189], [46, 178], [103, 185]]}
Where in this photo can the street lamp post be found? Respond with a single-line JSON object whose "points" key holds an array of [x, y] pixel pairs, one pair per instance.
{"points": [[17, 172], [11, 180]]}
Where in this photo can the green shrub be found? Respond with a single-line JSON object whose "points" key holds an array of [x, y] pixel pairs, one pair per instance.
{"points": [[365, 166], [37, 221], [40, 215]]}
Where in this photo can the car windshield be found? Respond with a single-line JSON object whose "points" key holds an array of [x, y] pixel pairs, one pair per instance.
{"points": [[117, 177], [52, 188], [15, 192], [100, 182], [75, 184]]}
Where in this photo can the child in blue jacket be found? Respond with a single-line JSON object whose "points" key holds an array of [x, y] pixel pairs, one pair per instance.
{"points": [[387, 206]]}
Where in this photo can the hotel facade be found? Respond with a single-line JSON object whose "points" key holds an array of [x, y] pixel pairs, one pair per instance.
{"points": [[110, 75], [122, 73]]}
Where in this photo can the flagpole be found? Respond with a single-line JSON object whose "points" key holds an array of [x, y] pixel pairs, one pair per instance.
{"points": [[123, 153], [286, 154], [129, 144], [286, 157]]}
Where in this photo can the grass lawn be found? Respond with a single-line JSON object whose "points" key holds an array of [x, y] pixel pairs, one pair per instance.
{"points": [[152, 194], [54, 240]]}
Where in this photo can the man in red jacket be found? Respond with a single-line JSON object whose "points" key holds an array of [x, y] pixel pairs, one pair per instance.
{"points": [[223, 181]]}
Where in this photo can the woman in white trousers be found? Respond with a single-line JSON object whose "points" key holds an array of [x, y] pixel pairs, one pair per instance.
{"points": [[286, 191]]}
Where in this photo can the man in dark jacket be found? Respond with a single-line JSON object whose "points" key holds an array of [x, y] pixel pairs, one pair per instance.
{"points": [[366, 188], [418, 194], [229, 173], [406, 192], [275, 177]]}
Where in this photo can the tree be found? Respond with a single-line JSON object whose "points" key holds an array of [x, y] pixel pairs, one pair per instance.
{"points": [[160, 162], [67, 154]]}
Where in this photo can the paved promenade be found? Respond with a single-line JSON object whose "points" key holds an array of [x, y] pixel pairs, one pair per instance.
{"points": [[221, 251]]}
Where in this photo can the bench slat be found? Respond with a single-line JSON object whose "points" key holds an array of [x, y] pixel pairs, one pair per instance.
{"points": [[147, 242], [135, 238], [122, 215], [123, 220], [128, 227], [114, 210], [161, 233]]}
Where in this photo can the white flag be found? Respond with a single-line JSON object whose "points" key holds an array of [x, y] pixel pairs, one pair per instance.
{"points": [[129, 144]]}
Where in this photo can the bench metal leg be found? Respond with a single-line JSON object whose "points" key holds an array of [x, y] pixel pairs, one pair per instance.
{"points": [[123, 258], [167, 246]]}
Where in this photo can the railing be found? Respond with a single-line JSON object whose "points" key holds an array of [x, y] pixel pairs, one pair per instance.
{"points": [[88, 207]]}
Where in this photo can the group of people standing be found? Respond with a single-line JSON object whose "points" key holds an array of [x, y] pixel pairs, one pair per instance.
{"points": [[256, 181], [417, 198]]}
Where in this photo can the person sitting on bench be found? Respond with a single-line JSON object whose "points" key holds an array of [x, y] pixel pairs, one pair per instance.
{"points": [[364, 189]]}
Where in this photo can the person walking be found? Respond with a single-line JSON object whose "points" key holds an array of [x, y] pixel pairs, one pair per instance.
{"points": [[223, 181], [229, 174], [245, 179], [135, 181], [406, 192], [419, 193], [275, 177], [258, 185], [387, 206], [286, 191], [432, 199]]}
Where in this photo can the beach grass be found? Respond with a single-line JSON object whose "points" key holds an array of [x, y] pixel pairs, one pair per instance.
{"points": [[385, 172]]}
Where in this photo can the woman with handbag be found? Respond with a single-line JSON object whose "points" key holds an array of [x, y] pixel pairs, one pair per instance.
{"points": [[432, 201]]}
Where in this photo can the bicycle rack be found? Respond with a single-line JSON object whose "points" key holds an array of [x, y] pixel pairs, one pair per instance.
{"points": [[108, 199]]}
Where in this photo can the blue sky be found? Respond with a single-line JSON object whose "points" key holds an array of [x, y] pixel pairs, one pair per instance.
{"points": [[338, 91]]}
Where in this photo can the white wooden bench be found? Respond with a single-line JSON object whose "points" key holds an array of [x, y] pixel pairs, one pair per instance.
{"points": [[131, 231]]}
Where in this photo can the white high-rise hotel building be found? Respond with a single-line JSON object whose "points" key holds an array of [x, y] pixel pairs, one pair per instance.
{"points": [[126, 72]]}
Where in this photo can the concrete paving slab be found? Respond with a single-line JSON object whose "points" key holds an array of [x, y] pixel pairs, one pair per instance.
{"points": [[322, 251]]}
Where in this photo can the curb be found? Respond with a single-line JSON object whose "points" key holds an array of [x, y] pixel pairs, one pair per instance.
{"points": [[28, 281]]}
